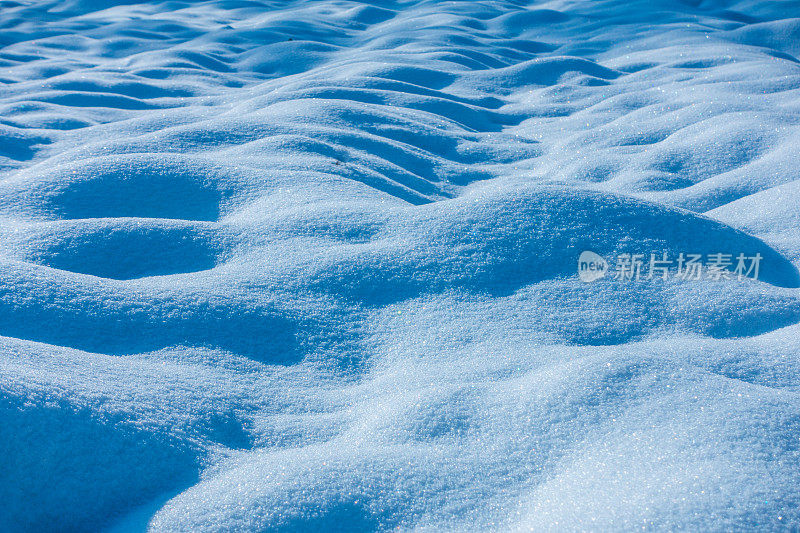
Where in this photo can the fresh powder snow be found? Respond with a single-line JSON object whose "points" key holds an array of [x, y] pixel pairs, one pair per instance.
{"points": [[407, 265]]}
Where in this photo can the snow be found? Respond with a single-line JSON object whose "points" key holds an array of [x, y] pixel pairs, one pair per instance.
{"points": [[311, 265]]}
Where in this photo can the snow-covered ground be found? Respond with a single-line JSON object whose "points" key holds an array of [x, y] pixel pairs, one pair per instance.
{"points": [[313, 265]]}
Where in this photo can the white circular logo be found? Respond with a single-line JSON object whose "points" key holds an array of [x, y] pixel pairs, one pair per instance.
{"points": [[591, 266]]}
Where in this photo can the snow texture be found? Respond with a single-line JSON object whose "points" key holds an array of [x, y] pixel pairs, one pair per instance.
{"points": [[310, 266]]}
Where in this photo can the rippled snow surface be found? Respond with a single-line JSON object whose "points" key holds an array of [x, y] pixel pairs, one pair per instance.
{"points": [[311, 265]]}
